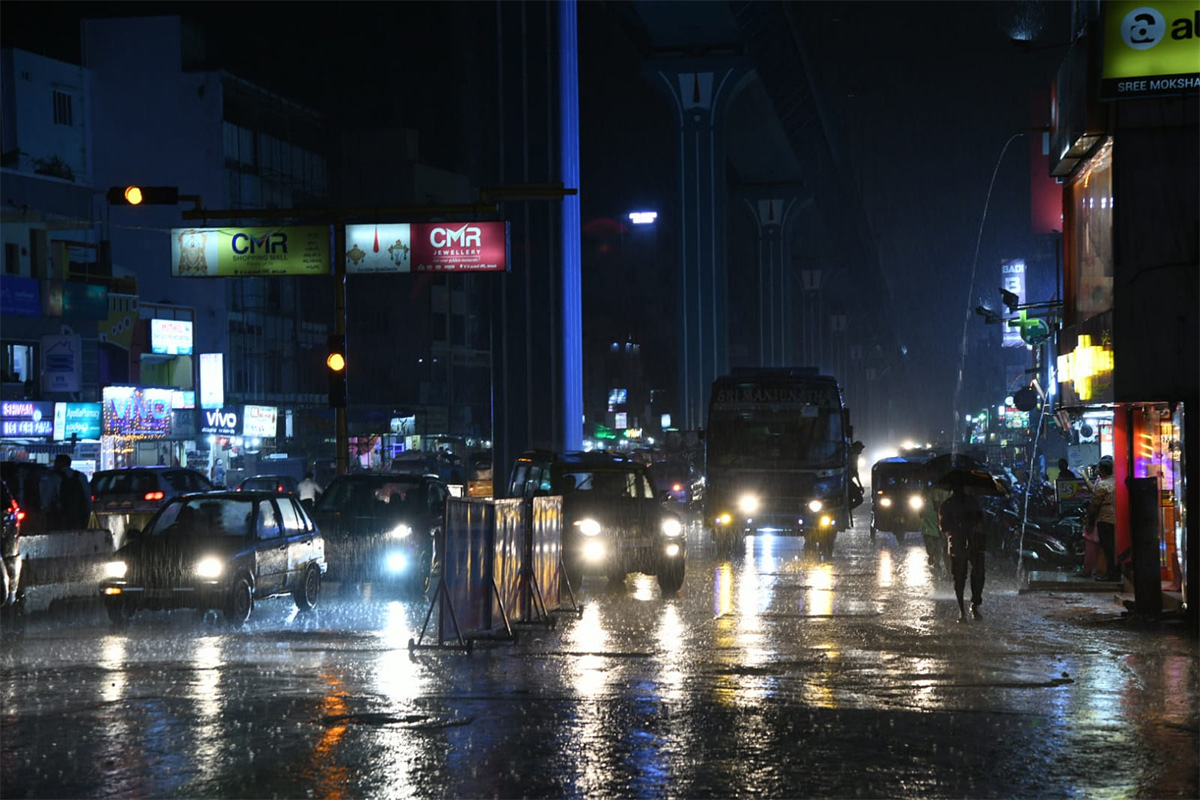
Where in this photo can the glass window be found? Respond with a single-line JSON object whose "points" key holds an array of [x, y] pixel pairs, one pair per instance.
{"points": [[293, 523], [268, 523], [62, 109], [1092, 233]]}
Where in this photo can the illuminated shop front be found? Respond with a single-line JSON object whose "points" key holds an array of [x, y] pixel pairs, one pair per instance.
{"points": [[1127, 354]]}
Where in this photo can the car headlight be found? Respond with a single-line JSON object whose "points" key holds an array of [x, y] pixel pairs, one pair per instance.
{"points": [[747, 504], [885, 502], [588, 527], [815, 505], [400, 532], [396, 562], [115, 569], [671, 527], [209, 568], [916, 502]]}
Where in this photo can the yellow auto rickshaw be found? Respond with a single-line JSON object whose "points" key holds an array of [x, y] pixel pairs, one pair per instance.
{"points": [[898, 487]]}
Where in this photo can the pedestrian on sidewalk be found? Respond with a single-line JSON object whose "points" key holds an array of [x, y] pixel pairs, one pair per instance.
{"points": [[1102, 514]]}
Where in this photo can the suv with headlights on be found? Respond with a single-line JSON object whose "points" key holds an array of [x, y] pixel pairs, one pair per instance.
{"points": [[615, 521]]}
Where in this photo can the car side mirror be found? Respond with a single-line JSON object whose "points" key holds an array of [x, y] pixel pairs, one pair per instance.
{"points": [[665, 496]]}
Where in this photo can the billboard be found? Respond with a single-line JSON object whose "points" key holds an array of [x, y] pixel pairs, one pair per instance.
{"points": [[1012, 276], [26, 419], [241, 252], [259, 421], [212, 380], [378, 248], [62, 363], [427, 247], [1150, 48], [220, 421], [79, 419], [172, 337], [132, 411]]}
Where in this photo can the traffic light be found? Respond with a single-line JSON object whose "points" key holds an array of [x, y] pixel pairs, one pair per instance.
{"points": [[335, 368], [143, 195]]}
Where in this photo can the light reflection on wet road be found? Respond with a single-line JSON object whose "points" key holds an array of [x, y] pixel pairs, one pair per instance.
{"points": [[771, 674]]}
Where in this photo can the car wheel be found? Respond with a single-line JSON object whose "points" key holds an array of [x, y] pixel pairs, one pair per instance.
{"points": [[120, 610], [670, 576], [309, 590], [239, 603]]}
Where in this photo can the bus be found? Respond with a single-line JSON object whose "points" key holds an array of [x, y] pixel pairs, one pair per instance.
{"points": [[779, 457]]}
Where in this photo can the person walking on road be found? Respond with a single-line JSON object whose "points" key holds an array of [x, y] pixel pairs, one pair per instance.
{"points": [[960, 518], [1102, 514], [310, 490], [69, 500]]}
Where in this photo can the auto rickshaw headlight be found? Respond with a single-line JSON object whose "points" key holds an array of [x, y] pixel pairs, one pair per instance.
{"points": [[115, 569], [916, 502], [815, 505], [885, 502], [671, 527], [724, 519], [826, 521], [747, 504]]}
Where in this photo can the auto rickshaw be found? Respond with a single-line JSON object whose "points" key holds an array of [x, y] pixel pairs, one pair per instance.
{"points": [[898, 487]]}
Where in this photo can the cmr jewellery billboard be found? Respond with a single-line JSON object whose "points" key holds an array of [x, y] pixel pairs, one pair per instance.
{"points": [[427, 247], [241, 252]]}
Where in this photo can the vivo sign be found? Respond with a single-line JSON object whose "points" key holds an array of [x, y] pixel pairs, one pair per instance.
{"points": [[219, 421]]}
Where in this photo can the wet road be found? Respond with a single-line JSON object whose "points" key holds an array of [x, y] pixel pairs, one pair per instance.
{"points": [[772, 674]]}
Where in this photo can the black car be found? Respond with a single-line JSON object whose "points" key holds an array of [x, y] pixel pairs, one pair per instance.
{"points": [[383, 527], [10, 546], [222, 550], [615, 520], [279, 484]]}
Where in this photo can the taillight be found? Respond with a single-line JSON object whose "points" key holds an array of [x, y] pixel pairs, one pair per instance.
{"points": [[154, 496], [279, 488], [20, 515]]}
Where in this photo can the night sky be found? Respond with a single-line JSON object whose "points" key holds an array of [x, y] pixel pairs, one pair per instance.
{"points": [[922, 98]]}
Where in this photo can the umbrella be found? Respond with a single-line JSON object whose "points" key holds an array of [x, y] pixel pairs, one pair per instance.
{"points": [[973, 481], [940, 465]]}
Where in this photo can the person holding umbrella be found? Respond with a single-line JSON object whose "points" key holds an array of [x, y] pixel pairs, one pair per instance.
{"points": [[961, 519]]}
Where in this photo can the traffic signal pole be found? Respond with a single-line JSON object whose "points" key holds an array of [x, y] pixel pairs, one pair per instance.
{"points": [[339, 329]]}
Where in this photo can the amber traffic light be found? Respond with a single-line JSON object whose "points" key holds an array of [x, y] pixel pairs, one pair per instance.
{"points": [[143, 195], [335, 368]]}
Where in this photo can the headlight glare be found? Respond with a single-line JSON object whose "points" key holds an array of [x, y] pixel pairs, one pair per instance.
{"points": [[916, 502], [747, 504], [815, 505], [671, 527], [400, 532], [589, 527], [885, 502], [724, 519], [209, 568], [115, 569]]}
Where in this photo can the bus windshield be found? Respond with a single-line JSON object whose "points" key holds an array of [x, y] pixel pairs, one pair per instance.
{"points": [[789, 438]]}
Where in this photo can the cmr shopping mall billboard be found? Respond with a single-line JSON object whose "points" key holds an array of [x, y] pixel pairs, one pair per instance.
{"points": [[427, 247]]}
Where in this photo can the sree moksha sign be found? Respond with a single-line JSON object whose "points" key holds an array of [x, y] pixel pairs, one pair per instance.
{"points": [[241, 252], [1151, 48], [427, 247]]}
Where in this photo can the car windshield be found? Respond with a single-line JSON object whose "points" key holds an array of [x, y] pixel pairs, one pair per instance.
{"points": [[615, 482], [368, 493], [204, 516]]}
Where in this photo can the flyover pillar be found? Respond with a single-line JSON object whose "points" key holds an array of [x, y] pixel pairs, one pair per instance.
{"points": [[701, 90], [773, 208]]}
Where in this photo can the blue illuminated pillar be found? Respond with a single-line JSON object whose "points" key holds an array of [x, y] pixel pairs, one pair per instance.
{"points": [[701, 90], [572, 323]]}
